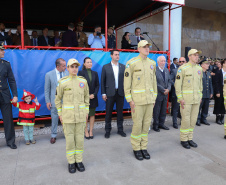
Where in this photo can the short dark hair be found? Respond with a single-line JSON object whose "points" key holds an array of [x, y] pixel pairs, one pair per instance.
{"points": [[174, 59], [97, 26], [57, 63], [137, 28], [71, 25], [43, 28], [34, 31], [112, 51]]}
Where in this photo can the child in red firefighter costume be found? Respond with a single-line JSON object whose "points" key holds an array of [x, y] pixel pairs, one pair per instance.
{"points": [[27, 115]]}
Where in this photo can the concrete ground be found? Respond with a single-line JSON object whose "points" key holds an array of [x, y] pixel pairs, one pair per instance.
{"points": [[111, 161]]}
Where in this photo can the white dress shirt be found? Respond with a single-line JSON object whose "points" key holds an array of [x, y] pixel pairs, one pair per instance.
{"points": [[224, 73], [161, 69], [116, 71], [58, 74]]}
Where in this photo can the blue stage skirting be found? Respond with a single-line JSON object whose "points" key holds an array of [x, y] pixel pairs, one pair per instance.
{"points": [[30, 66]]}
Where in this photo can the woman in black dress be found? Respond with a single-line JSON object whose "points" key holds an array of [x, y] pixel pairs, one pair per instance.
{"points": [[93, 82], [219, 108], [126, 42]]}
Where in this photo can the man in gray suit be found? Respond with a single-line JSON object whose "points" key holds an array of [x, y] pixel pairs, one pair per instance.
{"points": [[51, 80], [164, 87]]}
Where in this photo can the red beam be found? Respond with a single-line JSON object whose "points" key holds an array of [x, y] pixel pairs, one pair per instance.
{"points": [[106, 25], [22, 24]]}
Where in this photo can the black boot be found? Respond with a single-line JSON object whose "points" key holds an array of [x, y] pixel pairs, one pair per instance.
{"points": [[185, 144], [222, 119], [145, 154], [218, 119], [138, 155], [80, 167], [225, 137], [71, 168], [192, 144], [198, 123]]}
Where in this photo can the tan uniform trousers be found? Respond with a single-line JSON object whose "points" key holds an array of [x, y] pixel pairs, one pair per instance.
{"points": [[74, 135], [189, 118], [141, 124]]}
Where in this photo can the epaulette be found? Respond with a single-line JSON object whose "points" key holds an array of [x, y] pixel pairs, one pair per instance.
{"points": [[81, 78], [5, 61], [64, 79], [151, 60]]}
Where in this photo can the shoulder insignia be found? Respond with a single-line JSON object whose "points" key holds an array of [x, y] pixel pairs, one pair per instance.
{"points": [[81, 78], [64, 79], [134, 60]]}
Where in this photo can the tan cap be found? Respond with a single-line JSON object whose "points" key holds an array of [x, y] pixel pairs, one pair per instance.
{"points": [[2, 45], [193, 51], [80, 24], [143, 43], [72, 61]]}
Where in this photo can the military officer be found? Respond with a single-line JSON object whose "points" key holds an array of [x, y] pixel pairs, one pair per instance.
{"points": [[7, 82], [111, 38], [207, 93], [188, 88], [140, 88], [81, 36], [74, 92]]}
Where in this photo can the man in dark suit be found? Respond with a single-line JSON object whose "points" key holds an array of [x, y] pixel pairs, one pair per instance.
{"points": [[174, 65], [7, 82], [69, 38], [175, 105], [34, 39], [45, 40], [164, 87], [5, 36], [207, 93], [112, 91]]}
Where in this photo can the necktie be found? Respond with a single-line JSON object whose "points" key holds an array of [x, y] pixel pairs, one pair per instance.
{"points": [[138, 40], [35, 42], [78, 35], [61, 75]]}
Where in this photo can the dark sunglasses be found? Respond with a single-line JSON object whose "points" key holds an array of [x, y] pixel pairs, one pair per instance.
{"points": [[181, 61]]}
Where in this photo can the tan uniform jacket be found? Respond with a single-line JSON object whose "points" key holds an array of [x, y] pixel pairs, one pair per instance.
{"points": [[188, 83], [83, 40], [74, 92], [140, 83]]}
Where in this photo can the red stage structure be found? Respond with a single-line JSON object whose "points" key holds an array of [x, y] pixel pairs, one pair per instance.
{"points": [[90, 7]]}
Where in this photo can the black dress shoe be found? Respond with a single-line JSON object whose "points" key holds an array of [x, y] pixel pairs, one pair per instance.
{"points": [[192, 144], [163, 127], [138, 155], [205, 122], [218, 119], [91, 137], [145, 154], [107, 135], [185, 144], [198, 123], [121, 133], [80, 167], [222, 119], [71, 168], [225, 137], [87, 137], [12, 146], [156, 129], [175, 126]]}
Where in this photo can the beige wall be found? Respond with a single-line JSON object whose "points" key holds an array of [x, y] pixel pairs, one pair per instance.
{"points": [[201, 29]]}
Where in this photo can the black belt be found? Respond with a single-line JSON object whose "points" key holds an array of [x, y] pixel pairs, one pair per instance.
{"points": [[20, 118]]}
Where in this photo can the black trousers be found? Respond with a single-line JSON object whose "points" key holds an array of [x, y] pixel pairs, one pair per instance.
{"points": [[175, 109], [203, 109], [6, 110], [119, 100], [159, 112]]}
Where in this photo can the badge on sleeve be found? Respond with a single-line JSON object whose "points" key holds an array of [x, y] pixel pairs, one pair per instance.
{"points": [[179, 70], [126, 74], [151, 67], [199, 72], [178, 77], [81, 84], [127, 66]]}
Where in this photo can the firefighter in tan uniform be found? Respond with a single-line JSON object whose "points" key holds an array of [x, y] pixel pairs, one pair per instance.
{"points": [[72, 103], [140, 88], [81, 36], [188, 86], [224, 92]]}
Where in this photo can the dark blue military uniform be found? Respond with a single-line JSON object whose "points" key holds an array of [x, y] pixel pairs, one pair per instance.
{"points": [[7, 81], [111, 42], [207, 91]]}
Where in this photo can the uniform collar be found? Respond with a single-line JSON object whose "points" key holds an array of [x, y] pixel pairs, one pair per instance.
{"points": [[142, 58], [72, 77], [191, 64]]}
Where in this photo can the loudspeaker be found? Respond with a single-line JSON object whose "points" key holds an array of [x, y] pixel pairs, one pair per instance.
{"points": [[187, 49]]}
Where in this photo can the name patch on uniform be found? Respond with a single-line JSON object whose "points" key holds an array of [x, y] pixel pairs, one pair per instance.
{"points": [[199, 72], [151, 67], [137, 70], [189, 75], [126, 74], [178, 77], [81, 84], [67, 89]]}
